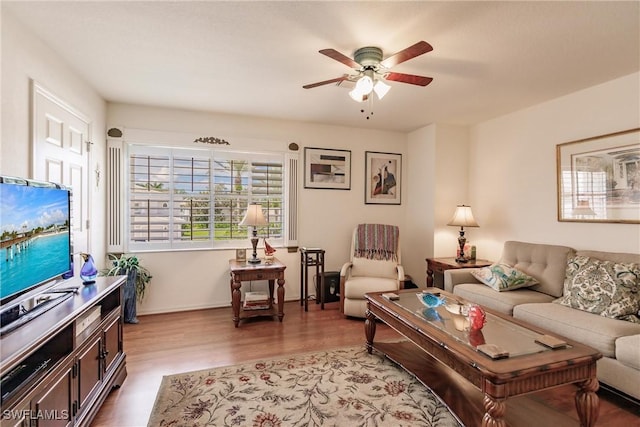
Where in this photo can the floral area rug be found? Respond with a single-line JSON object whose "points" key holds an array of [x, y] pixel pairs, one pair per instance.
{"points": [[343, 387]]}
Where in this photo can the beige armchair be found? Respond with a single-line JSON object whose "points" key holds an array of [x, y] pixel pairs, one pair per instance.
{"points": [[374, 266]]}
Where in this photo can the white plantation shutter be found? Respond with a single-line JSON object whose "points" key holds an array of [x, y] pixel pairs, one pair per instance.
{"points": [[267, 189], [196, 198], [231, 196], [149, 201], [240, 179], [191, 198]]}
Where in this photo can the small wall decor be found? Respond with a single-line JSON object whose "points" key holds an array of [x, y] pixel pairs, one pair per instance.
{"points": [[211, 140], [599, 178], [327, 169], [383, 177]]}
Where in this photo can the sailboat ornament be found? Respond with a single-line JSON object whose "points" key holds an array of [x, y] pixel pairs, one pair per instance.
{"points": [[268, 250]]}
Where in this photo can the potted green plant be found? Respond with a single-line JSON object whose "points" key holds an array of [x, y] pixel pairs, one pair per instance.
{"points": [[137, 279]]}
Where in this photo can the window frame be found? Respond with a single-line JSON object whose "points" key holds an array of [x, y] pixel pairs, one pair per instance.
{"points": [[213, 154]]}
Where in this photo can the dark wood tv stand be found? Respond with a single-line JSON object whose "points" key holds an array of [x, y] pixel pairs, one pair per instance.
{"points": [[58, 368]]}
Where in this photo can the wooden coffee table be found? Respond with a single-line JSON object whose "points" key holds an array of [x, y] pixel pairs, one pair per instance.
{"points": [[528, 368]]}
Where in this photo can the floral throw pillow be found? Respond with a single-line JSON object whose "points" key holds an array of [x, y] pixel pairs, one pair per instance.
{"points": [[606, 288], [503, 277]]}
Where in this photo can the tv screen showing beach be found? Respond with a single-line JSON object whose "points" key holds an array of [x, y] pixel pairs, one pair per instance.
{"points": [[34, 236]]}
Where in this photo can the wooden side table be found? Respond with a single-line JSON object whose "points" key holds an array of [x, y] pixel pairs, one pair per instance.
{"points": [[242, 271], [310, 258], [439, 265]]}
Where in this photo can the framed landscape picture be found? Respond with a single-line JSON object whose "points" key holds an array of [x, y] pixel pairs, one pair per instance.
{"points": [[327, 169], [383, 176], [599, 178]]}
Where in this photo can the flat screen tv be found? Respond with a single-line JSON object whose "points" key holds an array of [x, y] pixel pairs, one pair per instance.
{"points": [[35, 236]]}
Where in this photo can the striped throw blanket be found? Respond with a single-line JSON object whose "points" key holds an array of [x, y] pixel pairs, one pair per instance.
{"points": [[376, 241]]}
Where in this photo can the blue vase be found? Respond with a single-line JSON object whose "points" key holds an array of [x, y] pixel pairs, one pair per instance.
{"points": [[69, 274], [88, 272]]}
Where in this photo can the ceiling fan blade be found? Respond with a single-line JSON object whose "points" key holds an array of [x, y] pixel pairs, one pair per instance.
{"points": [[334, 54], [408, 78], [326, 82], [406, 54]]}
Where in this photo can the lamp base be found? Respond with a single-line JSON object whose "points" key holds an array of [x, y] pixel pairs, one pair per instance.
{"points": [[254, 242], [461, 242]]}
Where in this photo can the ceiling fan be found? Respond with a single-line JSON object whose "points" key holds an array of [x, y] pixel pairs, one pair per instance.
{"points": [[372, 70]]}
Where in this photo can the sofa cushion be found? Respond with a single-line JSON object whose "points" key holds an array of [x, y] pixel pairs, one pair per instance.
{"points": [[356, 287], [595, 331], [546, 263], [606, 288], [628, 351], [501, 277], [499, 301], [373, 267]]}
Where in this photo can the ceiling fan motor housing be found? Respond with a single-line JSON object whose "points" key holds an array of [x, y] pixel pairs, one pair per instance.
{"points": [[369, 56]]}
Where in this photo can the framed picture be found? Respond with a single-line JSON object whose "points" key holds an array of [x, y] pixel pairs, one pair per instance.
{"points": [[327, 169], [599, 178], [383, 176], [241, 255]]}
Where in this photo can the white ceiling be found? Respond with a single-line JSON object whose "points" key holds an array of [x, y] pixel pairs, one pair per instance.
{"points": [[252, 58]]}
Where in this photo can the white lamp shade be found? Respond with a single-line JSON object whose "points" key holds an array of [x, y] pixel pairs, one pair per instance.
{"points": [[357, 96], [254, 216], [381, 89], [463, 217], [364, 85]]}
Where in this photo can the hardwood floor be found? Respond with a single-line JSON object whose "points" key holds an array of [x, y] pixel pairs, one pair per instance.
{"points": [[165, 344]]}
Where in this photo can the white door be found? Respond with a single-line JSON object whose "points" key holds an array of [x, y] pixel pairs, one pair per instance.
{"points": [[61, 155]]}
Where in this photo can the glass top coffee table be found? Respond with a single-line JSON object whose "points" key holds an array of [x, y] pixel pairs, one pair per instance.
{"points": [[505, 358]]}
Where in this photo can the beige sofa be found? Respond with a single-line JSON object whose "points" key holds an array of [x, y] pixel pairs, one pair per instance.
{"points": [[617, 340]]}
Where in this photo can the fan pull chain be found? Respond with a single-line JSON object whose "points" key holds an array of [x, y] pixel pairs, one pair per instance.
{"points": [[370, 107]]}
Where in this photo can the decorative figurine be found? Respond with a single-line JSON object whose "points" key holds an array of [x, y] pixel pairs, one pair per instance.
{"points": [[429, 299], [268, 251], [88, 272], [477, 317]]}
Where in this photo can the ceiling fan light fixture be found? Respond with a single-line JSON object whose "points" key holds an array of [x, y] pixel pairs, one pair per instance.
{"points": [[364, 85], [381, 89], [372, 71], [356, 95]]}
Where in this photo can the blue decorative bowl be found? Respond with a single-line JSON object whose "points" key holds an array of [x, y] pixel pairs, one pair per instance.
{"points": [[430, 300]]}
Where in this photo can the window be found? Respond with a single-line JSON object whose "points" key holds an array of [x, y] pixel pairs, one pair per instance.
{"points": [[584, 194], [188, 199]]}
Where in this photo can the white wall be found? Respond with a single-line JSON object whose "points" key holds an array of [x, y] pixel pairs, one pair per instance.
{"points": [[195, 279], [421, 176], [512, 169], [26, 58], [451, 188], [438, 177]]}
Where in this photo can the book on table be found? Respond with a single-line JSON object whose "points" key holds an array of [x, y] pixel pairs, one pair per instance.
{"points": [[256, 301]]}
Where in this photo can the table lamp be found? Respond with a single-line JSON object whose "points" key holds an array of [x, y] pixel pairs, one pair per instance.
{"points": [[462, 217], [253, 218]]}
